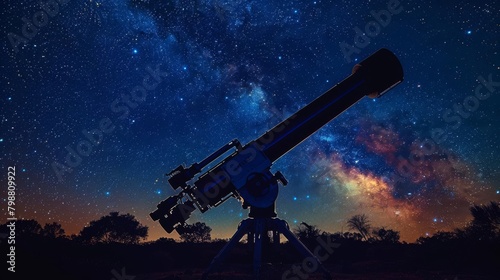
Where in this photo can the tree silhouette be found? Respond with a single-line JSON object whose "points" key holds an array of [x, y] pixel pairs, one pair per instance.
{"points": [[361, 224], [114, 228], [164, 240], [306, 232], [485, 225], [486, 221], [347, 236], [386, 235], [28, 227], [438, 237], [196, 233], [53, 230]]}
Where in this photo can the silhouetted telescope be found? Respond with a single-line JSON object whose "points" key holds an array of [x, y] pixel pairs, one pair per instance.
{"points": [[245, 173]]}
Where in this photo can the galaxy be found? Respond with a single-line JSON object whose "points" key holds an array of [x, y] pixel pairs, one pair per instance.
{"points": [[101, 98]]}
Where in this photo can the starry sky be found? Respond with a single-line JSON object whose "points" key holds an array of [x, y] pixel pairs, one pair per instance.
{"points": [[72, 71]]}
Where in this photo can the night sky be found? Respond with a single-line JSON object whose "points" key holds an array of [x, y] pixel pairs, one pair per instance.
{"points": [[219, 70]]}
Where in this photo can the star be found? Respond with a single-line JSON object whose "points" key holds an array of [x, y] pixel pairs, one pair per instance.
{"points": [[124, 122]]}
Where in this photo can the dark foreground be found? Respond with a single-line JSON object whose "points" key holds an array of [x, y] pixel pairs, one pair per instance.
{"points": [[66, 260]]}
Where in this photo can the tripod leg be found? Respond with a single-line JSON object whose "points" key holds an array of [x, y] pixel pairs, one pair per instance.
{"points": [[276, 237], [257, 253], [299, 246], [242, 229]]}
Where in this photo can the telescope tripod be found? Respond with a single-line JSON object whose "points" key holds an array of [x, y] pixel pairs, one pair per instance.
{"points": [[257, 227]]}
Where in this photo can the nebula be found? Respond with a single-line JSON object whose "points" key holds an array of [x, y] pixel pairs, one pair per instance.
{"points": [[434, 193]]}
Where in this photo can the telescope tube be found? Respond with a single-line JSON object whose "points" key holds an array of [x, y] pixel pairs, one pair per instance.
{"points": [[373, 77]]}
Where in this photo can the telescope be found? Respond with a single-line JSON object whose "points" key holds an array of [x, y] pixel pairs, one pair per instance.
{"points": [[245, 172]]}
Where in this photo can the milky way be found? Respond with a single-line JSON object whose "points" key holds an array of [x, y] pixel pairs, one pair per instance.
{"points": [[169, 82]]}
